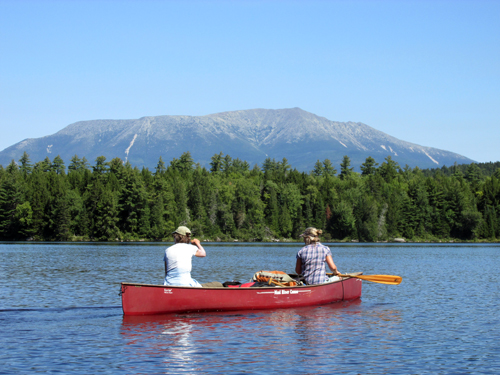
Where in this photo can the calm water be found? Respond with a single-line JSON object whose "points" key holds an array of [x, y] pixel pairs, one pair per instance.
{"points": [[60, 313]]}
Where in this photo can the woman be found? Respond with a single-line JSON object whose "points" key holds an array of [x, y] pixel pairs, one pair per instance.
{"points": [[312, 257], [178, 258]]}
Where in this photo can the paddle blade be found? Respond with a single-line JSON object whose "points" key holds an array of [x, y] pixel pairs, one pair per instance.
{"points": [[381, 279]]}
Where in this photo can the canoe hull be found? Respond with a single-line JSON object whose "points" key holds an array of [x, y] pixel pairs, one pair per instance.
{"points": [[147, 299]]}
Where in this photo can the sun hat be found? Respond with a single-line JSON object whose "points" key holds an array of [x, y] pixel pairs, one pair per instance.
{"points": [[182, 230]]}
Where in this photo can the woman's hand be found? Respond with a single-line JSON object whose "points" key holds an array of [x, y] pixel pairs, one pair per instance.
{"points": [[195, 242]]}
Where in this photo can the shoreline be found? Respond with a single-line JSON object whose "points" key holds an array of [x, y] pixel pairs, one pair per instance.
{"points": [[274, 242]]}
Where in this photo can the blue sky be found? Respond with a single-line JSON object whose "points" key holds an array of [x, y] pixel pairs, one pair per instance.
{"points": [[426, 72]]}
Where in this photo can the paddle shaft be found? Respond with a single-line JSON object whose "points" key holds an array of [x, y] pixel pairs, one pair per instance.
{"points": [[381, 279]]}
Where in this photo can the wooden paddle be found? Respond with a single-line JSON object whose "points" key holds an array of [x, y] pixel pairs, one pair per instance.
{"points": [[381, 279]]}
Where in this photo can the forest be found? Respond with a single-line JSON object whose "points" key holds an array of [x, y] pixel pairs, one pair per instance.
{"points": [[114, 201]]}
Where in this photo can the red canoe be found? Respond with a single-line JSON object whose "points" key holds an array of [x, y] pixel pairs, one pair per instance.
{"points": [[148, 299]]}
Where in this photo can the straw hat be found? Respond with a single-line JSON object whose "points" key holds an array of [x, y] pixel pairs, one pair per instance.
{"points": [[311, 232]]}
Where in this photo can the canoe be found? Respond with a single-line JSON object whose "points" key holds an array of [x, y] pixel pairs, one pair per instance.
{"points": [[149, 299]]}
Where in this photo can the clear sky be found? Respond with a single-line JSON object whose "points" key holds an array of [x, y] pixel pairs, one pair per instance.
{"points": [[426, 72]]}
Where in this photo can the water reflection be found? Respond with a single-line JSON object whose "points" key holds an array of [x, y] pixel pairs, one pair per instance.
{"points": [[58, 317], [188, 343]]}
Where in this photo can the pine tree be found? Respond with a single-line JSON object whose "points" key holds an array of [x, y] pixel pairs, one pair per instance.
{"points": [[345, 169], [75, 163], [318, 169], [58, 165], [10, 198], [185, 162], [132, 204], [26, 167], [62, 219], [369, 167], [344, 220], [105, 217], [216, 163], [160, 167], [285, 221], [227, 163], [272, 211], [157, 220], [328, 168], [100, 166], [389, 169], [82, 223]]}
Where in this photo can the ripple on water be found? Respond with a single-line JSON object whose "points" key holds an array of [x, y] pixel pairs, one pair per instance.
{"points": [[60, 312]]}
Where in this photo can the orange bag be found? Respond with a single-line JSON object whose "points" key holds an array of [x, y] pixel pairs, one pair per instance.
{"points": [[279, 278]]}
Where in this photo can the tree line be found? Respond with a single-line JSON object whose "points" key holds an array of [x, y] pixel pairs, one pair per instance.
{"points": [[114, 201]]}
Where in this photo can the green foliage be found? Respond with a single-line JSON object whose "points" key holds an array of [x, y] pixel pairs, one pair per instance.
{"points": [[369, 166], [389, 169], [324, 168], [112, 200], [345, 168], [26, 168]]}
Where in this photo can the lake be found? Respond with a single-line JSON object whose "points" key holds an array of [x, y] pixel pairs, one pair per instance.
{"points": [[60, 312]]}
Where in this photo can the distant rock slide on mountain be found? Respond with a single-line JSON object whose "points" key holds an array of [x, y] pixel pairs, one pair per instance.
{"points": [[252, 135]]}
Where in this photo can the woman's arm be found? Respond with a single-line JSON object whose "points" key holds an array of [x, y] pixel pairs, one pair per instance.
{"points": [[333, 267], [298, 266], [201, 251]]}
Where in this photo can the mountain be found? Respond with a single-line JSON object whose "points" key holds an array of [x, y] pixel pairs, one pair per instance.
{"points": [[252, 135]]}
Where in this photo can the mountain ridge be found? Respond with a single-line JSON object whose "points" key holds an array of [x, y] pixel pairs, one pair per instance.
{"points": [[252, 135]]}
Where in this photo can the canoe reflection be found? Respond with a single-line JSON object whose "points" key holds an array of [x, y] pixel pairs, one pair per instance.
{"points": [[183, 341]]}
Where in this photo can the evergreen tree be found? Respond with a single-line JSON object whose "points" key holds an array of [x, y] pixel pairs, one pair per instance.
{"points": [[82, 223], [343, 221], [115, 200], [389, 169], [369, 167], [285, 221], [473, 174], [105, 217], [158, 230], [43, 166], [490, 226], [24, 219], [240, 166], [345, 168], [269, 166], [100, 166], [12, 168], [283, 166], [216, 163], [318, 169], [75, 163], [62, 218], [160, 167], [132, 205], [185, 162], [227, 163], [328, 168], [26, 167], [58, 165], [272, 209], [9, 199]]}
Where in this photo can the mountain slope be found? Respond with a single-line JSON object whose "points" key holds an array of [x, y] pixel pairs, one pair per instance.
{"points": [[250, 135]]}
